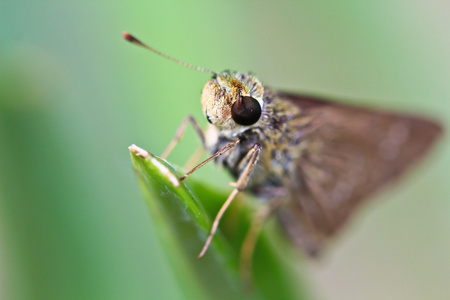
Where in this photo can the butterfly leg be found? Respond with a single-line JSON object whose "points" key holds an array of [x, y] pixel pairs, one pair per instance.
{"points": [[239, 186], [179, 134], [249, 244], [221, 151], [195, 158]]}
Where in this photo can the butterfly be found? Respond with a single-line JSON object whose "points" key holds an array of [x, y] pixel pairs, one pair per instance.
{"points": [[311, 161]]}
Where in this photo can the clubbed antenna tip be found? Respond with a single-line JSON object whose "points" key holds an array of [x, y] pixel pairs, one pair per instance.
{"points": [[135, 41]]}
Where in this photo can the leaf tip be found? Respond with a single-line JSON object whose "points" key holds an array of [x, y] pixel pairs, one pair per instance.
{"points": [[138, 151], [163, 169]]}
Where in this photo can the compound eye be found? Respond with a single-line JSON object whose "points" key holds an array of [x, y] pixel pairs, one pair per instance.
{"points": [[246, 111]]}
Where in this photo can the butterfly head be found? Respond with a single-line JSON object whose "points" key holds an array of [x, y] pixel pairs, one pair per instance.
{"points": [[233, 100]]}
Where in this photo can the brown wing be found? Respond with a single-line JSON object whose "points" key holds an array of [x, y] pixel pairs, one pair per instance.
{"points": [[349, 153]]}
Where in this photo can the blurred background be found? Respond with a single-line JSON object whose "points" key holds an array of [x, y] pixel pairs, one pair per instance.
{"points": [[74, 96]]}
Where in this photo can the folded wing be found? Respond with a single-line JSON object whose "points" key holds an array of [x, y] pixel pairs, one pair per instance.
{"points": [[348, 154]]}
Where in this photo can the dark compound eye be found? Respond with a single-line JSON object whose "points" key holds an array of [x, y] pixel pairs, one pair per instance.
{"points": [[246, 111]]}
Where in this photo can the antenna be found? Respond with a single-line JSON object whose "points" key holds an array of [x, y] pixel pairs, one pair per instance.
{"points": [[135, 41]]}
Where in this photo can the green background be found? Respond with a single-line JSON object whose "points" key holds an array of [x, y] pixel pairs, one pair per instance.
{"points": [[74, 96]]}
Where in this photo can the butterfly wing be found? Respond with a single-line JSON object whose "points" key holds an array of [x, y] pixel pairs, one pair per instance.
{"points": [[348, 154]]}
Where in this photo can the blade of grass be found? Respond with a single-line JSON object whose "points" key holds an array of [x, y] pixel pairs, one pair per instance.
{"points": [[183, 225]]}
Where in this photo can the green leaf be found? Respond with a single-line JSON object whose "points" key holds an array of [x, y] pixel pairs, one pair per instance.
{"points": [[183, 224]]}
